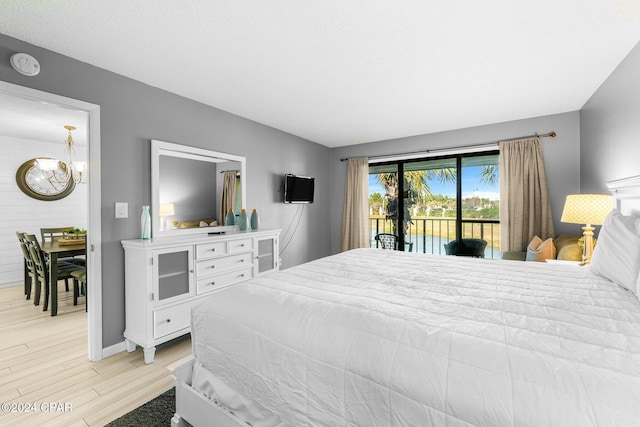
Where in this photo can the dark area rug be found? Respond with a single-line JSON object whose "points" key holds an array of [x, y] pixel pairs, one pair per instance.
{"points": [[156, 412]]}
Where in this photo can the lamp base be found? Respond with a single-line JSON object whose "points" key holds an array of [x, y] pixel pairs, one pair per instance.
{"points": [[587, 251]]}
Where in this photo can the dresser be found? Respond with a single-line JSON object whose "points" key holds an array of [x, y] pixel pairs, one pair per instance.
{"points": [[165, 277]]}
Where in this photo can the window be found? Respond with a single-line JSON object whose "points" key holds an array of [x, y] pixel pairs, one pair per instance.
{"points": [[441, 198]]}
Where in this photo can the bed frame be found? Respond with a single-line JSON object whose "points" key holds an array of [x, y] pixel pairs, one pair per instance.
{"points": [[626, 195], [194, 409]]}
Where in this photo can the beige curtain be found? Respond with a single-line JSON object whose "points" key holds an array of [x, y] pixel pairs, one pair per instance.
{"points": [[355, 213], [228, 199], [525, 208]]}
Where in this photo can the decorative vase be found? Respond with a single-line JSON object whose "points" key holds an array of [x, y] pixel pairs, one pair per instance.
{"points": [[243, 221], [145, 224], [231, 218], [254, 220]]}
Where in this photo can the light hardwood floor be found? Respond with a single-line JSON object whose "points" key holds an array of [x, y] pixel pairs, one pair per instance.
{"points": [[43, 361]]}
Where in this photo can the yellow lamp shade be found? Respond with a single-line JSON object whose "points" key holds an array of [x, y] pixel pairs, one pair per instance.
{"points": [[166, 209], [586, 208]]}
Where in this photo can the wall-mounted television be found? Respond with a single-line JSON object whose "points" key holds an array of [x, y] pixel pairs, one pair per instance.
{"points": [[298, 189]]}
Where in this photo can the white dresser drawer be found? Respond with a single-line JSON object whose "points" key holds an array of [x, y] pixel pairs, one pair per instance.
{"points": [[208, 250], [240, 245], [218, 281], [212, 266], [171, 319]]}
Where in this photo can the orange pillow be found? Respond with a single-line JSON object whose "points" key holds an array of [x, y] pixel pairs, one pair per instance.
{"points": [[539, 250]]}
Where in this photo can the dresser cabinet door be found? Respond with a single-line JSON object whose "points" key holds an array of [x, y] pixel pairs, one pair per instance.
{"points": [[173, 274], [266, 254]]}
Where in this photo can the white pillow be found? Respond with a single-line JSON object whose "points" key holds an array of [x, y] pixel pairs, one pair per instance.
{"points": [[617, 254], [539, 250]]}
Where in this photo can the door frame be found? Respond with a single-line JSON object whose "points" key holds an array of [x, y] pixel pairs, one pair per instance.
{"points": [[94, 202]]}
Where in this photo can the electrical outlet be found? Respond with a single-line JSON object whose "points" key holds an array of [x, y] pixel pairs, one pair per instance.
{"points": [[122, 210]]}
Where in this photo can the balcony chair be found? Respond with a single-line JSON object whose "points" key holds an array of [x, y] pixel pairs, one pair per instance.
{"points": [[390, 241], [468, 247], [387, 240]]}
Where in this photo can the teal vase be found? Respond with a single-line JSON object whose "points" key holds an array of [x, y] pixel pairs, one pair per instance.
{"points": [[254, 220], [145, 224], [243, 221], [231, 218]]}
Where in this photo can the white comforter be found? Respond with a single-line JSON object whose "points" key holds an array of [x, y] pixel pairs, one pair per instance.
{"points": [[384, 338]]}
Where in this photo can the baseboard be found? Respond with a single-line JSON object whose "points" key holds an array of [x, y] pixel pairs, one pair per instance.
{"points": [[114, 349]]}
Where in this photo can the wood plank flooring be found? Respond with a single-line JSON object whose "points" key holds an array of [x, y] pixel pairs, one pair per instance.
{"points": [[44, 367]]}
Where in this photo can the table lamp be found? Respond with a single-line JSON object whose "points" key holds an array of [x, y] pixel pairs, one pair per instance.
{"points": [[166, 210], [589, 209]]}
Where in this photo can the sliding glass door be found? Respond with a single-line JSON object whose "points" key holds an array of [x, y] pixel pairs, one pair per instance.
{"points": [[436, 201], [480, 208]]}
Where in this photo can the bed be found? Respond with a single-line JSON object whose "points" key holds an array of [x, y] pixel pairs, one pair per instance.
{"points": [[384, 338]]}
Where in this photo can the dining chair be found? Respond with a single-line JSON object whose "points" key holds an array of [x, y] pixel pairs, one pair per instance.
{"points": [[53, 234], [29, 266], [80, 286], [41, 279]]}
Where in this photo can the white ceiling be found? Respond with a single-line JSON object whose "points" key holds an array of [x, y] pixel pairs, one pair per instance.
{"points": [[32, 119], [342, 72]]}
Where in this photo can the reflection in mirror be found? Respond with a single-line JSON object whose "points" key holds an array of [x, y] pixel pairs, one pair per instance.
{"points": [[193, 188]]}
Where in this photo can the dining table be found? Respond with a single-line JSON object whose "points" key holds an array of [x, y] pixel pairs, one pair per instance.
{"points": [[54, 251]]}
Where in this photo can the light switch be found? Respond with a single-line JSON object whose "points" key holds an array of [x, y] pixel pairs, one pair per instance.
{"points": [[122, 210]]}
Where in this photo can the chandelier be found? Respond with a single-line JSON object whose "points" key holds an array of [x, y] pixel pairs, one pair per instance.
{"points": [[60, 172]]}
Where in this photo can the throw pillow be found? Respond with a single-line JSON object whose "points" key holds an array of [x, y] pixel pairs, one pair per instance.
{"points": [[617, 255], [539, 250], [567, 247]]}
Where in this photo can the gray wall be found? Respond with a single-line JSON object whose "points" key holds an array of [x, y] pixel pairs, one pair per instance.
{"points": [[132, 114], [561, 154], [610, 128]]}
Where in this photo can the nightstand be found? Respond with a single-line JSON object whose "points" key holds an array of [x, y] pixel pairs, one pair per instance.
{"points": [[564, 262]]}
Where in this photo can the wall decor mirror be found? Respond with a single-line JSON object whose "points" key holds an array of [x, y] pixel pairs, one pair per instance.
{"points": [[192, 189]]}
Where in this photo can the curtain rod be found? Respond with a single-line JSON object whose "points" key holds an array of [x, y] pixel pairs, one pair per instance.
{"points": [[551, 134], [231, 170]]}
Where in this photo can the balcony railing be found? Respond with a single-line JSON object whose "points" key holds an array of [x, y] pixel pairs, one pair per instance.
{"points": [[429, 235]]}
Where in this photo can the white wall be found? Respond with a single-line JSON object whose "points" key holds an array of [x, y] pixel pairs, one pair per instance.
{"points": [[20, 212], [610, 128]]}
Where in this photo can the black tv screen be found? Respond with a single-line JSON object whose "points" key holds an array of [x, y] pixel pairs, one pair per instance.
{"points": [[298, 189]]}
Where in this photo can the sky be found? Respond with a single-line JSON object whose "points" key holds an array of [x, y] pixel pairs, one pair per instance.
{"points": [[471, 186]]}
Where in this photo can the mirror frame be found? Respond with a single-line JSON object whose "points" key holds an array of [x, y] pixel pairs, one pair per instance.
{"points": [[163, 148]]}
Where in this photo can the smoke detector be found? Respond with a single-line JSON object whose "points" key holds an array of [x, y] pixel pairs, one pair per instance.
{"points": [[25, 64]]}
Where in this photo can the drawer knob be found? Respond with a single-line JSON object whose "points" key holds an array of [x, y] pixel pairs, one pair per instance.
{"points": [[213, 249], [213, 266], [242, 245], [212, 283], [168, 320], [242, 260], [242, 275]]}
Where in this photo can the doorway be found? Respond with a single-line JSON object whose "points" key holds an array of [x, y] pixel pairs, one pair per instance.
{"points": [[93, 200]]}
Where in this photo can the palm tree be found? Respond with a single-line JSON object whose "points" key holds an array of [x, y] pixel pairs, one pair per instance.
{"points": [[444, 175], [489, 174]]}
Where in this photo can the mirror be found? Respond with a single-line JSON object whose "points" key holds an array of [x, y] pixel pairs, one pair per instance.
{"points": [[187, 189]]}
